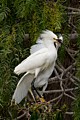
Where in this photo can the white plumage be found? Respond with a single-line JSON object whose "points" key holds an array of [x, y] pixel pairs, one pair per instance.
{"points": [[38, 65]]}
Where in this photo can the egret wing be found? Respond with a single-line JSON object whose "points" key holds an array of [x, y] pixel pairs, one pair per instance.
{"points": [[35, 60], [22, 87], [36, 47], [39, 45]]}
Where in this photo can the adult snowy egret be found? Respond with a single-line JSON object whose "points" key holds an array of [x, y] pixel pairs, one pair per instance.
{"points": [[39, 65]]}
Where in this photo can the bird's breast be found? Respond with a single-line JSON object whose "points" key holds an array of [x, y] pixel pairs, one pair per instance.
{"points": [[52, 56]]}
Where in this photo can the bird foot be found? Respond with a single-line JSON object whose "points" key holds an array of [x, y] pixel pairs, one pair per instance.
{"points": [[42, 100]]}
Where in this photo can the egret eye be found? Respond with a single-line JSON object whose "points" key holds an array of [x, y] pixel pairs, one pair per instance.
{"points": [[54, 38]]}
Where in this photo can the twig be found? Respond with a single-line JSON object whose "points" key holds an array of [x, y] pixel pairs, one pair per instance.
{"points": [[56, 80], [70, 8], [55, 71], [73, 51], [69, 54], [73, 81], [73, 98], [75, 78], [53, 79], [69, 113], [68, 68], [21, 116], [58, 91], [58, 68], [59, 63], [73, 13], [56, 98]]}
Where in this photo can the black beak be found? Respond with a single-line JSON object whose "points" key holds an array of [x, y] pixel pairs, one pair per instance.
{"points": [[60, 41]]}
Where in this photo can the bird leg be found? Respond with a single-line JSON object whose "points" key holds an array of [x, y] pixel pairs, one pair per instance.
{"points": [[34, 89]]}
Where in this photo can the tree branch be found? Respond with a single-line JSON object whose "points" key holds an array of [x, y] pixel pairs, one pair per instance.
{"points": [[58, 91]]}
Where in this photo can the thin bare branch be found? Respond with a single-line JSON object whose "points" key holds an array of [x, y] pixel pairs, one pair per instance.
{"points": [[69, 54], [73, 98], [58, 68], [69, 113], [71, 8], [21, 116], [58, 91], [56, 98], [76, 79]]}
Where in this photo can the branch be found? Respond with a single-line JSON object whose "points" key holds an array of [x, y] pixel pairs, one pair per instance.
{"points": [[56, 80], [21, 116], [56, 98], [58, 68], [59, 63], [73, 13], [75, 78], [73, 98], [58, 91], [70, 8], [68, 68], [69, 113], [69, 54], [73, 81]]}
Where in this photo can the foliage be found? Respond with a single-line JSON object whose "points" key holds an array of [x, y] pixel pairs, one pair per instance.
{"points": [[39, 111]]}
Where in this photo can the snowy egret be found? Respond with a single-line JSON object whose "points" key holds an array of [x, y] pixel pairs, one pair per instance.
{"points": [[39, 65]]}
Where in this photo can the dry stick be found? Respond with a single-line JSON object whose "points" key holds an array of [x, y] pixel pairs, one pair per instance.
{"points": [[69, 75], [58, 68], [21, 116], [56, 98], [75, 52], [72, 90], [70, 8], [53, 79], [56, 80], [73, 98], [69, 113], [69, 54], [73, 81], [68, 68], [58, 91], [76, 79], [61, 66], [72, 13]]}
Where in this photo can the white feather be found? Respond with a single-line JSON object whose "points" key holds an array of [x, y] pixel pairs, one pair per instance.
{"points": [[39, 45], [32, 62], [22, 87], [40, 42], [36, 47]]}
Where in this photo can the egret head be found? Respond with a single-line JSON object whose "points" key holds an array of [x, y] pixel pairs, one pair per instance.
{"points": [[58, 41], [49, 35]]}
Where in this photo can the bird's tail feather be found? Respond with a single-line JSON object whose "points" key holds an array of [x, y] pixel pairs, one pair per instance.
{"points": [[22, 87]]}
